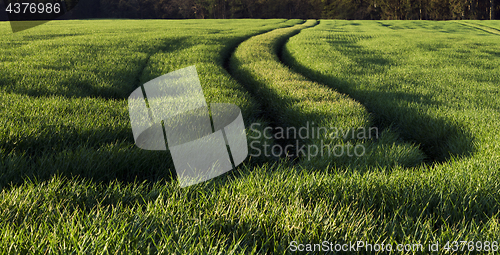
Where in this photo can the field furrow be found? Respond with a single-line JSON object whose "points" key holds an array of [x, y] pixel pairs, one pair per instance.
{"points": [[435, 84], [66, 89], [482, 27], [336, 122], [73, 182], [412, 107]]}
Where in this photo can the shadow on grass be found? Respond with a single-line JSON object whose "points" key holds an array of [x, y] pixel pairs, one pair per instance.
{"points": [[99, 162], [100, 155], [48, 36], [122, 162], [439, 138], [295, 112], [87, 80]]}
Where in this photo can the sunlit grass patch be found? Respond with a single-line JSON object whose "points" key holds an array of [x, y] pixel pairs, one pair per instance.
{"points": [[72, 181], [64, 85], [298, 102]]}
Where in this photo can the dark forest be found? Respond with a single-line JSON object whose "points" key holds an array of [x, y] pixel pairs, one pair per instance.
{"points": [[301, 9]]}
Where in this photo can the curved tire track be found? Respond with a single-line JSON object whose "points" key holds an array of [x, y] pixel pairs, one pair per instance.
{"points": [[292, 100]]}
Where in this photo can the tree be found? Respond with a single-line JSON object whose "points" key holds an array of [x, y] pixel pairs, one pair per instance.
{"points": [[303, 9]]}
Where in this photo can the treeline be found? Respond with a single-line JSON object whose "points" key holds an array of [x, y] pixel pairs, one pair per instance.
{"points": [[302, 9]]}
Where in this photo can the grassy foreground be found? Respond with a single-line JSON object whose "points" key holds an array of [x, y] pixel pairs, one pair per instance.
{"points": [[300, 102], [435, 84], [64, 85], [63, 89], [74, 142]]}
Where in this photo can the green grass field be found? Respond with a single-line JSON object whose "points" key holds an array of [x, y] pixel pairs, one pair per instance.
{"points": [[73, 181]]}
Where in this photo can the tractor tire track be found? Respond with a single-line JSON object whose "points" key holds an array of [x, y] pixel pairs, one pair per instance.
{"points": [[293, 100], [483, 28]]}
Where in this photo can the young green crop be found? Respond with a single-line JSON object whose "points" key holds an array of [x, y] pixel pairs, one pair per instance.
{"points": [[435, 82], [425, 87], [63, 112], [64, 85], [492, 26], [298, 102], [255, 209]]}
